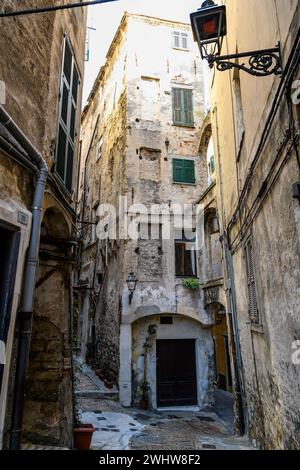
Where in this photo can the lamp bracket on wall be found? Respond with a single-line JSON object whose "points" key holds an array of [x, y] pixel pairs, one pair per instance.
{"points": [[260, 63]]}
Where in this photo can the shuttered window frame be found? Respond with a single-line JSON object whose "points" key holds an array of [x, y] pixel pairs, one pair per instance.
{"points": [[184, 171], [67, 122], [253, 303], [182, 106], [180, 40]]}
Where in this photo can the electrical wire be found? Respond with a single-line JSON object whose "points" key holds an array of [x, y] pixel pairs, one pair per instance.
{"points": [[289, 71], [68, 6]]}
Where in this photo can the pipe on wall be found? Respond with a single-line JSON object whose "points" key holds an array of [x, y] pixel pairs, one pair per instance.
{"points": [[231, 295], [31, 264]]}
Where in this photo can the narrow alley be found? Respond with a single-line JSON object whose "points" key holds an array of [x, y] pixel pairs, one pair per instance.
{"points": [[149, 231], [119, 428]]}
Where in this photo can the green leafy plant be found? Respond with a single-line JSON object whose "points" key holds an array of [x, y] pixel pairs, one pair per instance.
{"points": [[191, 283], [76, 407], [144, 389], [149, 340]]}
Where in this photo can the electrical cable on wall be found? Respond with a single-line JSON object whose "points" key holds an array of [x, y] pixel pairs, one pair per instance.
{"points": [[68, 6]]}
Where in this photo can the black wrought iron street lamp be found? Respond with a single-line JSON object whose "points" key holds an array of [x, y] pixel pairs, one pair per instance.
{"points": [[209, 28], [131, 284]]}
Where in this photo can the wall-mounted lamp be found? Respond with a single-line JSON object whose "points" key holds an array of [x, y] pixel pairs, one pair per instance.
{"points": [[131, 284], [209, 28]]}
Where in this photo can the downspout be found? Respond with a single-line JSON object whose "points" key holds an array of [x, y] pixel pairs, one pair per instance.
{"points": [[242, 416], [237, 362], [30, 270]]}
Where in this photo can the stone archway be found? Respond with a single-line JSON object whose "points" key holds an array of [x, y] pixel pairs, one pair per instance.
{"points": [[138, 364], [44, 381], [49, 379]]}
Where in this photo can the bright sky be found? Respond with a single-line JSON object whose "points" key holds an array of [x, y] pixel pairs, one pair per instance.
{"points": [[106, 19]]}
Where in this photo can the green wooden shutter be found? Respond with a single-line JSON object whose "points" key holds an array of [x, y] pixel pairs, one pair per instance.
{"points": [[189, 171], [177, 106], [178, 170], [184, 171], [183, 107], [188, 107]]}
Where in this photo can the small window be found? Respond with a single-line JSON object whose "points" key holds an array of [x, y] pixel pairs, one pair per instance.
{"points": [[166, 320], [99, 149], [212, 164], [183, 113], [253, 309], [94, 222], [180, 40], [183, 171], [185, 255]]}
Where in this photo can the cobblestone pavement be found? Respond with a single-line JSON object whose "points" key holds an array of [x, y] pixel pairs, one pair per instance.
{"points": [[121, 428]]}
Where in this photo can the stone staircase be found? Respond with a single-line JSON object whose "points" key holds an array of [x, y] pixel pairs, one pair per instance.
{"points": [[93, 387]]}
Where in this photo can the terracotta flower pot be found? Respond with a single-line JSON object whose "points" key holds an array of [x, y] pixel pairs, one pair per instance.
{"points": [[83, 436], [144, 404]]}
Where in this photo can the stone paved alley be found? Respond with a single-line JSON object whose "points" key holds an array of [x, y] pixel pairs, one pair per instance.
{"points": [[119, 428]]}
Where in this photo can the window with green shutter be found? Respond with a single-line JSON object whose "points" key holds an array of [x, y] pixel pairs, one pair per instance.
{"points": [[66, 139], [184, 171], [183, 113]]}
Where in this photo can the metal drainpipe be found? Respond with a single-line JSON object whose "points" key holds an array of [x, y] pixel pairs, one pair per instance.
{"points": [[31, 264], [243, 424], [238, 365]]}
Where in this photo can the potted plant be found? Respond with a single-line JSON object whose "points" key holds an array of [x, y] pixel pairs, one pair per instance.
{"points": [[191, 283], [83, 433], [144, 389]]}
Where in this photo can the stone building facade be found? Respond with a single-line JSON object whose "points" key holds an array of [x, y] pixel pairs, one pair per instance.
{"points": [[255, 126], [41, 72], [140, 141]]}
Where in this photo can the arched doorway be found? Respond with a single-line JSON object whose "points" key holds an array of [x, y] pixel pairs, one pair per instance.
{"points": [[223, 397], [49, 378], [223, 375], [174, 355]]}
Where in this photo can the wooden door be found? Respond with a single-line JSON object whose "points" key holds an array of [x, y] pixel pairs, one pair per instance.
{"points": [[176, 373]]}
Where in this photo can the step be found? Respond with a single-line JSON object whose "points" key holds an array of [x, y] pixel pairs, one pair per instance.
{"points": [[97, 394]]}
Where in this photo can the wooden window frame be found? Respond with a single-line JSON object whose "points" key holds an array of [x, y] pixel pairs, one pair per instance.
{"points": [[182, 243], [181, 36], [183, 107], [68, 126], [183, 180]]}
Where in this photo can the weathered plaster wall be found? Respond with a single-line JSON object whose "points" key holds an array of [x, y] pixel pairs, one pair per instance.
{"points": [[271, 379], [105, 183], [30, 66], [150, 78], [133, 98]]}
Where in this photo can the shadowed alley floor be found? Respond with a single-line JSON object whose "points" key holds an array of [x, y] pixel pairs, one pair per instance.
{"points": [[119, 428]]}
